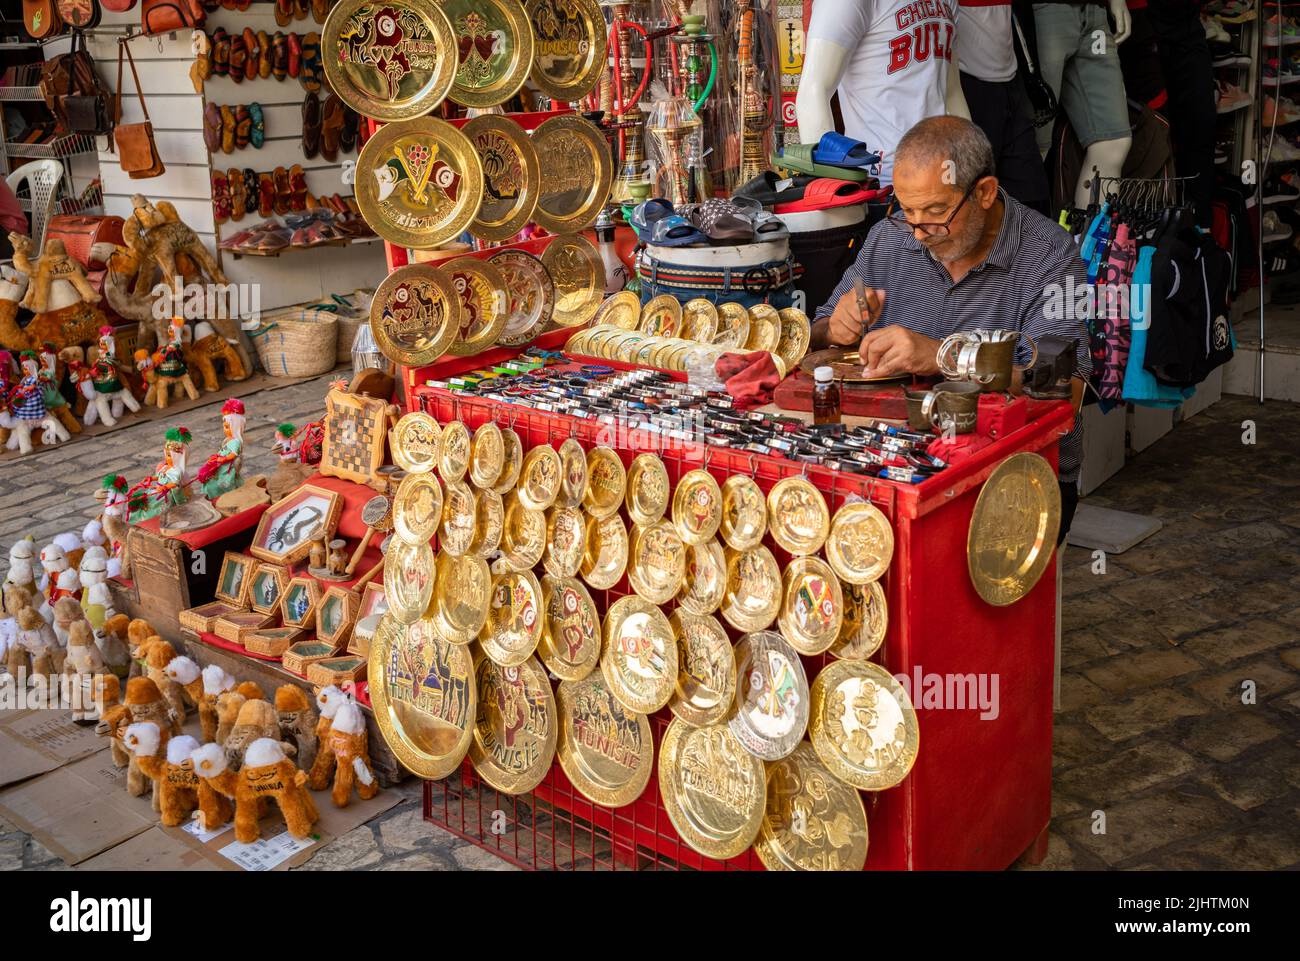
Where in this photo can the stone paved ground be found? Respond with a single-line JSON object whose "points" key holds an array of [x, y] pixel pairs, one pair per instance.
{"points": [[1153, 732]]}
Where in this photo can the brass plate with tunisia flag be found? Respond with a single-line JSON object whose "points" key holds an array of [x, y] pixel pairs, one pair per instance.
{"points": [[418, 182], [512, 176], [494, 42], [484, 304], [570, 42]]}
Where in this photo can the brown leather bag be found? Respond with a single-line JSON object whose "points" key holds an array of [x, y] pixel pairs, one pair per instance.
{"points": [[73, 93], [81, 233], [165, 16], [136, 152]]}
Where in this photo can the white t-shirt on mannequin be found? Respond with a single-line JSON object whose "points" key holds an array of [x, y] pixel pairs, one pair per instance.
{"points": [[986, 50], [897, 71]]}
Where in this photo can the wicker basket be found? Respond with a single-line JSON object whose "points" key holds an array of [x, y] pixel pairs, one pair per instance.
{"points": [[297, 342]]}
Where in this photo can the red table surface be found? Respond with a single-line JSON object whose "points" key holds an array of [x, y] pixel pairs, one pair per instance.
{"points": [[207, 536]]}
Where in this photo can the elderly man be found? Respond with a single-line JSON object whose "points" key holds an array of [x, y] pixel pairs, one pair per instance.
{"points": [[957, 253]]}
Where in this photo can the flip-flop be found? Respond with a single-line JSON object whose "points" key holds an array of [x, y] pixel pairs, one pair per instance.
{"points": [[331, 126], [648, 212], [798, 157], [825, 194], [250, 189], [301, 8], [311, 62], [837, 150], [769, 227], [676, 231], [243, 127], [238, 58], [770, 188], [320, 9], [283, 12], [311, 126], [266, 194], [297, 188], [721, 221], [257, 135]]}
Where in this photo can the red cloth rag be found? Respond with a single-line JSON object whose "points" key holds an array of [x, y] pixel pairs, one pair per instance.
{"points": [[750, 378]]}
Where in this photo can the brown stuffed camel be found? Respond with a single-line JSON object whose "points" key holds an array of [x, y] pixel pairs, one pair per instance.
{"points": [[179, 790], [267, 774]]}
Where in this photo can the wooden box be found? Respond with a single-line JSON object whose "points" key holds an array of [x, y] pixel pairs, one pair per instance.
{"points": [[374, 604], [302, 655], [272, 641], [336, 615], [233, 584], [203, 617], [299, 602], [337, 670], [234, 627], [267, 587]]}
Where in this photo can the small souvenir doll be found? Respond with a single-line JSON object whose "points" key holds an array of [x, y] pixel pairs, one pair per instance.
{"points": [[28, 409], [220, 473], [167, 486]]}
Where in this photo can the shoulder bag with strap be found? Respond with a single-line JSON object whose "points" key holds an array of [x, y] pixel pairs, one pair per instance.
{"points": [[165, 16], [73, 93], [137, 153]]}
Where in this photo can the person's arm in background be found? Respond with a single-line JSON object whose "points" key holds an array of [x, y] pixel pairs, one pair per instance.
{"points": [[836, 30]]}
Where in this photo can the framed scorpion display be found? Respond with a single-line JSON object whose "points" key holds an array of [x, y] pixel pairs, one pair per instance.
{"points": [[286, 530]]}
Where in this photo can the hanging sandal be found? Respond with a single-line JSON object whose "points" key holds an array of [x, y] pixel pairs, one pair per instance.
{"points": [[320, 9], [257, 135], [311, 126], [279, 56], [295, 55], [238, 58], [251, 189], [238, 195], [331, 126], [220, 42], [251, 47], [348, 134], [243, 126], [227, 130], [281, 190], [297, 188], [283, 12], [301, 8], [220, 197], [311, 62], [265, 195], [201, 69], [212, 127], [263, 54]]}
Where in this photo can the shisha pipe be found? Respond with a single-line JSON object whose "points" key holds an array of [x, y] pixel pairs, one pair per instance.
{"points": [[754, 118]]}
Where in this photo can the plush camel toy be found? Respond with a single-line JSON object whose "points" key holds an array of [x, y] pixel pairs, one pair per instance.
{"points": [[144, 702], [216, 682], [180, 791], [229, 704], [256, 721], [251, 691], [96, 598], [328, 702], [297, 722], [36, 638], [107, 693], [81, 666], [113, 645], [137, 632], [60, 296], [185, 674], [157, 654], [208, 348], [267, 773], [66, 611], [351, 753]]}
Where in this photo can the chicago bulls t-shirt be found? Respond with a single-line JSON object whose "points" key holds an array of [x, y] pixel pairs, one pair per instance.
{"points": [[897, 71]]}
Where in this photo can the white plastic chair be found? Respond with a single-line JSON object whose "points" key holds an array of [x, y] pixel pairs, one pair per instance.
{"points": [[43, 178]]}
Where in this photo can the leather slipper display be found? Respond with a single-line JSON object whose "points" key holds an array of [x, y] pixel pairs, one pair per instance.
{"points": [[331, 127], [279, 56], [238, 58], [283, 12], [257, 135], [348, 133], [311, 126], [220, 52], [311, 62], [250, 45], [238, 193], [282, 190], [263, 54], [266, 194], [227, 130], [243, 127]]}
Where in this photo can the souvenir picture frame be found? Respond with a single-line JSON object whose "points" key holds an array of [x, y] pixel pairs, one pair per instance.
{"points": [[374, 604], [260, 597], [300, 602], [337, 614], [234, 580], [287, 528]]}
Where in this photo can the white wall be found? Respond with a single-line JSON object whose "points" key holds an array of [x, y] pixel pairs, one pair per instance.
{"points": [[176, 111]]}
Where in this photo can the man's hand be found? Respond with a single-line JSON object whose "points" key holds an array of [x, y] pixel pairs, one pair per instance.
{"points": [[844, 325], [897, 350]]}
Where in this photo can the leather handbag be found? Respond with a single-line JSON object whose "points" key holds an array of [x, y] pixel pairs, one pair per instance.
{"points": [[136, 152], [118, 6], [166, 16], [80, 233], [41, 18], [73, 93]]}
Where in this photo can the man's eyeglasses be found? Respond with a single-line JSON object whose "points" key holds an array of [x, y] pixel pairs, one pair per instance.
{"points": [[932, 229]]}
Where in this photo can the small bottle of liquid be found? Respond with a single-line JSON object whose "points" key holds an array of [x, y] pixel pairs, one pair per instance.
{"points": [[826, 397]]}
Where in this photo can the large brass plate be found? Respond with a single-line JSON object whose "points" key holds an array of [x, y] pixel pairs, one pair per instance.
{"points": [[517, 726], [579, 278], [771, 708], [860, 544], [813, 822], [797, 516], [484, 305], [571, 631], [639, 655], [393, 60], [417, 508], [862, 725], [714, 791], [1013, 528], [569, 47], [532, 296], [494, 39], [753, 595], [514, 620], [415, 315], [511, 175], [415, 442], [579, 169], [605, 750], [408, 579], [706, 669], [812, 605], [418, 182]]}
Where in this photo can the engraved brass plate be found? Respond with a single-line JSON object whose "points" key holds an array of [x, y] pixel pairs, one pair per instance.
{"points": [[539, 478], [706, 669], [797, 516], [606, 483], [697, 507], [604, 749], [813, 822], [699, 320], [453, 459], [571, 638], [514, 620], [523, 538], [622, 310], [860, 544], [713, 790], [415, 315], [566, 541], [408, 578], [647, 489], [661, 317], [494, 40], [733, 326], [771, 708], [486, 455], [753, 595], [579, 278], [764, 328], [484, 307], [657, 562], [1013, 528], [532, 296], [459, 518], [464, 586], [866, 618], [490, 522], [812, 605], [513, 455], [417, 508], [744, 513], [517, 727], [512, 177], [605, 557], [415, 442], [863, 726], [639, 655], [573, 153], [573, 474], [569, 47], [705, 583], [796, 333]]}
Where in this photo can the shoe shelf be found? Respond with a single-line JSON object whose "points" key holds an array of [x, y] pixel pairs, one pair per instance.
{"points": [[238, 252], [68, 145], [20, 94]]}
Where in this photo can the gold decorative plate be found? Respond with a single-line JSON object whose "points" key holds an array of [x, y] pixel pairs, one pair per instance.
{"points": [[1013, 528], [656, 562], [744, 513], [573, 474], [423, 694], [866, 618], [796, 333], [464, 587], [566, 541], [408, 578], [764, 328], [418, 182], [605, 557], [495, 42], [417, 508], [415, 315], [622, 310], [579, 169], [390, 61], [514, 618], [771, 709], [539, 478], [706, 669], [487, 455], [860, 543], [579, 278], [753, 596], [415, 442], [513, 456], [705, 583], [459, 518], [570, 642], [484, 307], [512, 177], [699, 320], [797, 516], [813, 822], [516, 729], [733, 326], [647, 489], [863, 726], [713, 790], [605, 750], [523, 538], [697, 506], [639, 655], [453, 459], [532, 296], [569, 47], [489, 523], [606, 483], [812, 605], [661, 316]]}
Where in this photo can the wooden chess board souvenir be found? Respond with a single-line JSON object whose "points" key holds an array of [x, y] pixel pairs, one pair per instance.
{"points": [[355, 430]]}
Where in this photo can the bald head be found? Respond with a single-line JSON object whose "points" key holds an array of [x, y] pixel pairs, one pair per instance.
{"points": [[951, 148]]}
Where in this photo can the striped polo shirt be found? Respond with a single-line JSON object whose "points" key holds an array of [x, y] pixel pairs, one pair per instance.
{"points": [[1021, 285]]}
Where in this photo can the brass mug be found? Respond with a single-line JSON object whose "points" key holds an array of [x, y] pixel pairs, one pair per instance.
{"points": [[915, 398], [952, 406], [984, 357]]}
